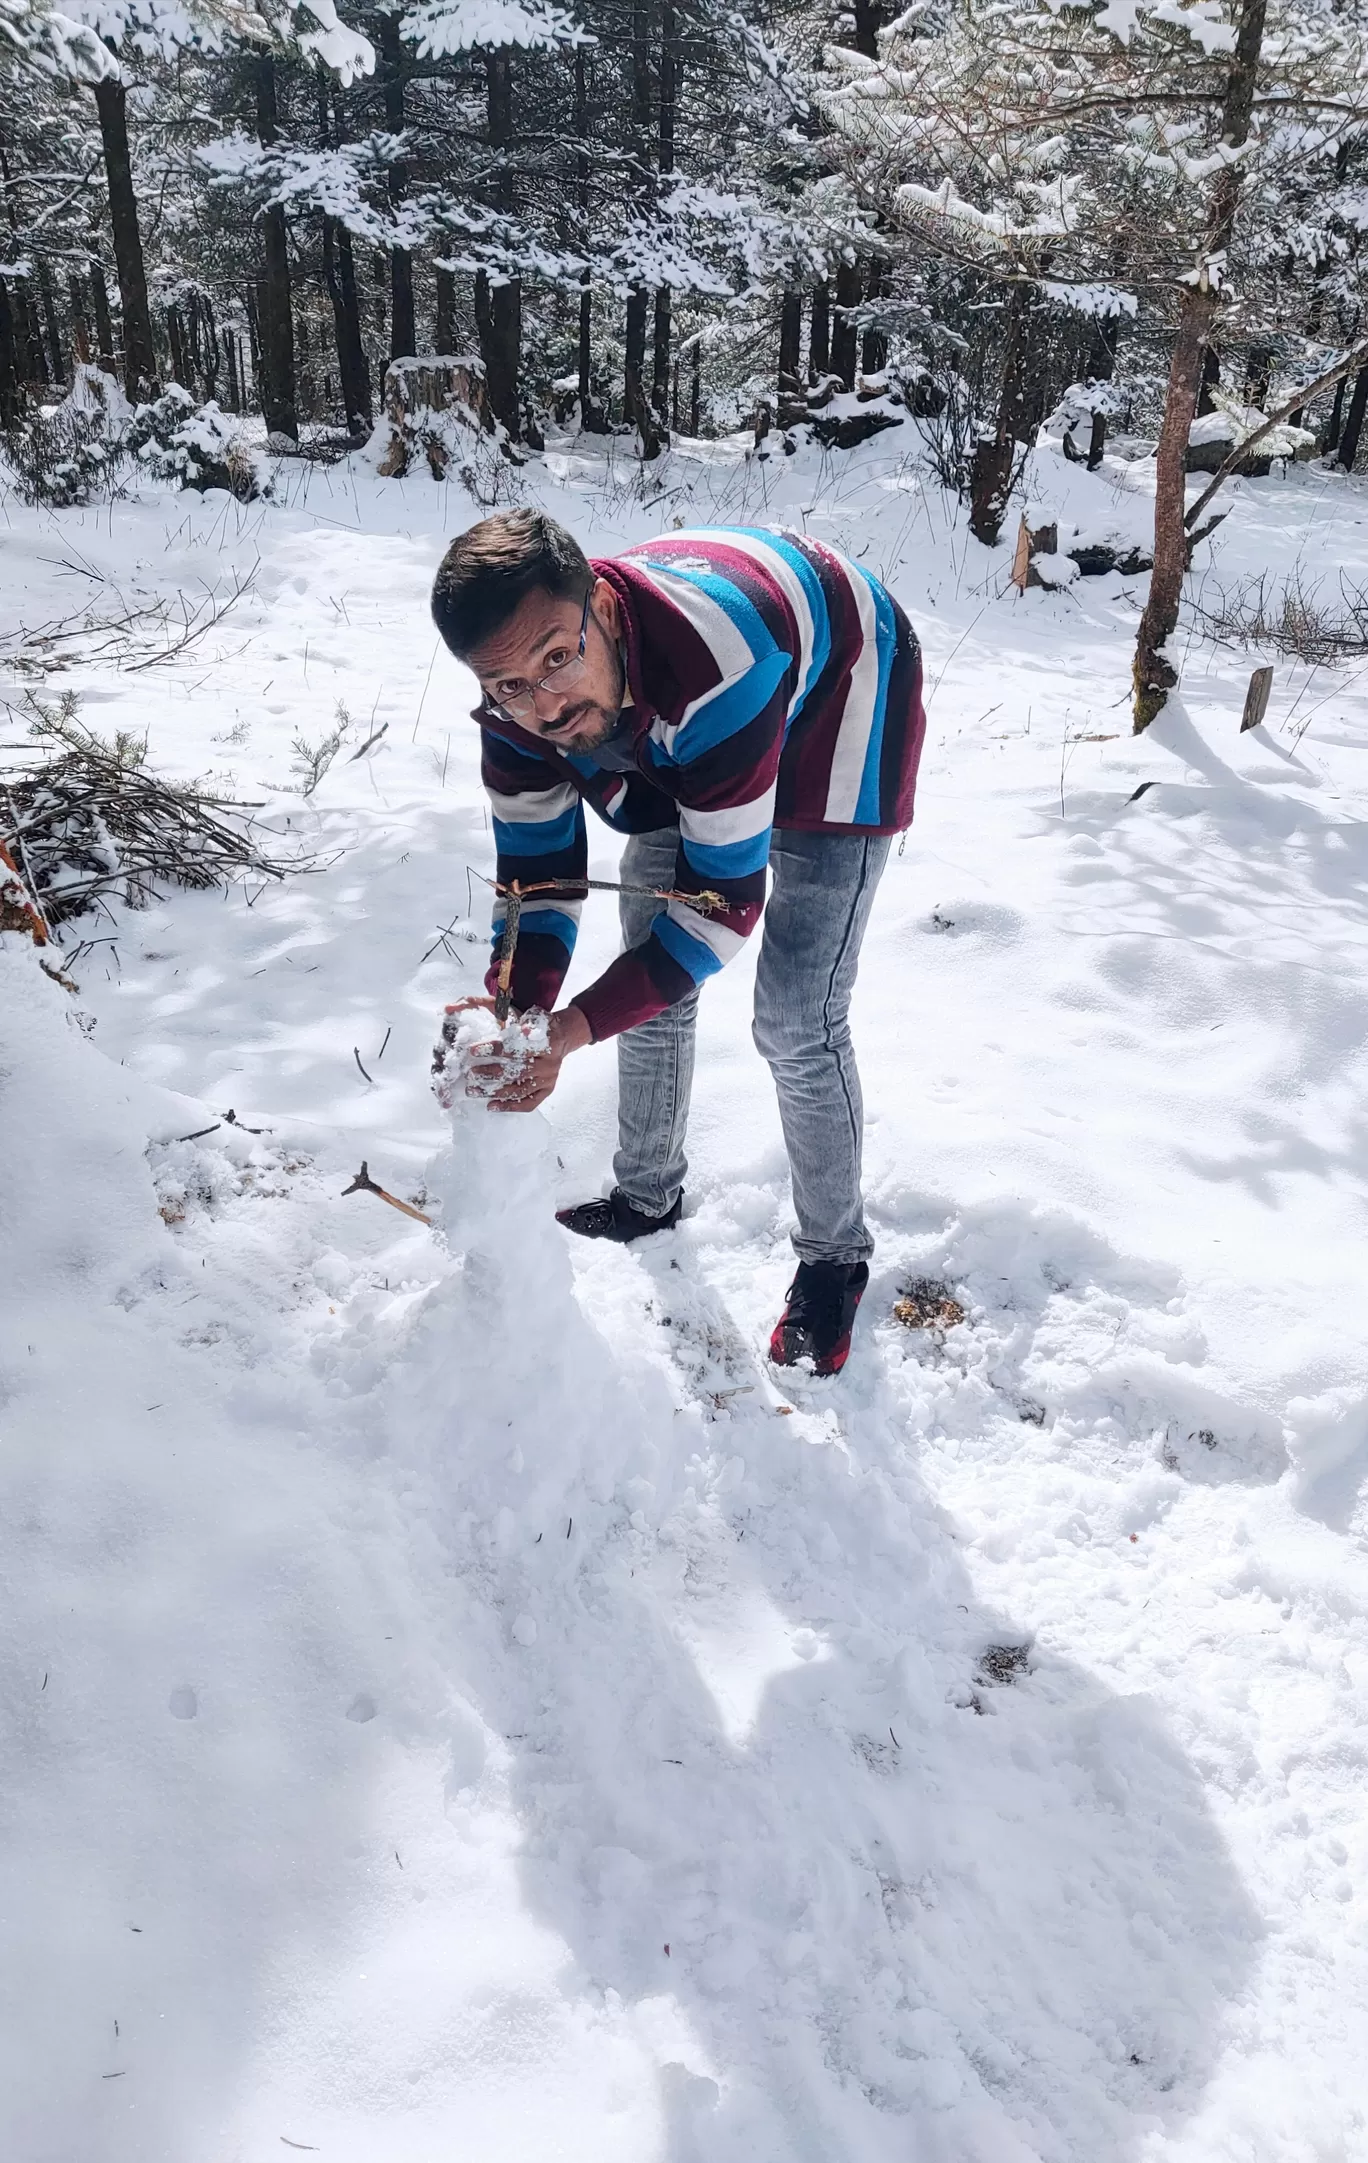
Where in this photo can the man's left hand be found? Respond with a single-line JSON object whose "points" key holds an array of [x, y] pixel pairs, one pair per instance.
{"points": [[569, 1031]]}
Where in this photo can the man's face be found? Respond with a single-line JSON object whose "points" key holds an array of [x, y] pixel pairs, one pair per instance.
{"points": [[580, 706]]}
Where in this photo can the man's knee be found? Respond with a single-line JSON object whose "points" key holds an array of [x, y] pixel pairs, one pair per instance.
{"points": [[786, 1039]]}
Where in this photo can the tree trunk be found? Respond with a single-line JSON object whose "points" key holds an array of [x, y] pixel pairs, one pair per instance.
{"points": [[1330, 439], [790, 345], [843, 329], [104, 328], [1154, 674], [634, 365], [403, 328], [445, 326], [230, 362], [994, 461], [54, 335], [1348, 443], [592, 419], [696, 390], [868, 23], [353, 371], [140, 363], [665, 158], [874, 345], [10, 394], [1211, 380], [276, 330], [498, 308], [180, 371], [819, 337], [80, 319]]}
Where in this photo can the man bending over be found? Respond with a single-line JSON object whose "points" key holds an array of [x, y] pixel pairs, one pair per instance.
{"points": [[735, 701]]}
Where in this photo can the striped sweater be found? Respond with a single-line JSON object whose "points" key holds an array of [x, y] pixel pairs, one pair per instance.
{"points": [[772, 683]]}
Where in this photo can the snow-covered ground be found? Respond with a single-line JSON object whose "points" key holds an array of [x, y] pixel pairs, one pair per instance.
{"points": [[458, 1703]]}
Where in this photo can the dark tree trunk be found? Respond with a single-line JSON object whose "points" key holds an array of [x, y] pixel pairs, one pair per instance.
{"points": [[353, 373], [790, 345], [592, 418], [1211, 380], [1330, 439], [498, 308], [445, 326], [37, 361], [139, 353], [1259, 375], [995, 456], [403, 328], [696, 390], [819, 337], [277, 381], [843, 329], [1154, 674], [54, 335], [1101, 362], [638, 407], [1353, 422], [180, 366], [254, 335], [868, 23], [80, 320], [498, 322], [230, 362], [665, 158], [10, 394], [104, 328], [660, 356], [874, 345]]}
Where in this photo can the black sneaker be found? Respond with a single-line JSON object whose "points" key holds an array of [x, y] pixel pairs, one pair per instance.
{"points": [[820, 1315], [614, 1217]]}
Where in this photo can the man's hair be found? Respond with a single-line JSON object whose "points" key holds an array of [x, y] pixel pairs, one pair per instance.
{"points": [[490, 569]]}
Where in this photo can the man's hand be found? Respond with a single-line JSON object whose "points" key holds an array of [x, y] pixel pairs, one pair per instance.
{"points": [[526, 1091]]}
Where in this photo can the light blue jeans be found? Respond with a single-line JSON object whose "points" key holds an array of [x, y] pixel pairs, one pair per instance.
{"points": [[821, 891]]}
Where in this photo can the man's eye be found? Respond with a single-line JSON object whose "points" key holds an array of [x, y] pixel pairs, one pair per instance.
{"points": [[556, 659], [513, 688]]}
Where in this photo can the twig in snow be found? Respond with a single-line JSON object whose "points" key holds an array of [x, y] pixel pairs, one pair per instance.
{"points": [[364, 1184], [357, 1057], [367, 744], [381, 1053], [200, 1132]]}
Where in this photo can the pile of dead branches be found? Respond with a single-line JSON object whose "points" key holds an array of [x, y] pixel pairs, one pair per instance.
{"points": [[88, 824]]}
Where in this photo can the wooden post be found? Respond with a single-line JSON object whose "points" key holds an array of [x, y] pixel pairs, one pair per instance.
{"points": [[1256, 698], [1021, 561]]}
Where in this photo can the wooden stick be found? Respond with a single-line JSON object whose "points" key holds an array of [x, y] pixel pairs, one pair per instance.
{"points": [[570, 889], [508, 947], [364, 1184]]}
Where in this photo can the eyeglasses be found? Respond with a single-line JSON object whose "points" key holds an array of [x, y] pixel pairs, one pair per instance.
{"points": [[518, 705]]}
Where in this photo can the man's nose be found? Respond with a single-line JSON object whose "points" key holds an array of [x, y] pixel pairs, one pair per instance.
{"points": [[548, 704]]}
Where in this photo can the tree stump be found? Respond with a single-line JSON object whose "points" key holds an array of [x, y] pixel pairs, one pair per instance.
{"points": [[425, 402]]}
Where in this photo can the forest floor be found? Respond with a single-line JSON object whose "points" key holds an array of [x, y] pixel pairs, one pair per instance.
{"points": [[461, 1702]]}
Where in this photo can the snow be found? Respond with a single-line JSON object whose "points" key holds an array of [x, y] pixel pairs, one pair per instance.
{"points": [[461, 1699]]}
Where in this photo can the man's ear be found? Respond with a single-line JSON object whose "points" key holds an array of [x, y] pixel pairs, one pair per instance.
{"points": [[604, 603]]}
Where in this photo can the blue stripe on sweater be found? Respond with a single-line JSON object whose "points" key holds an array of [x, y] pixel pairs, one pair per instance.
{"points": [[694, 956], [538, 837], [728, 859], [816, 600], [728, 711], [553, 921], [867, 806]]}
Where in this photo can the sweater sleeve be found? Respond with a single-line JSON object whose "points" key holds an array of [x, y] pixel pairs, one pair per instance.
{"points": [[539, 836], [721, 763]]}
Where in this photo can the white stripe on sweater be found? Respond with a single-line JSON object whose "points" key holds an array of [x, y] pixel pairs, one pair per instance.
{"points": [[734, 822], [768, 558], [720, 937], [857, 720], [531, 806]]}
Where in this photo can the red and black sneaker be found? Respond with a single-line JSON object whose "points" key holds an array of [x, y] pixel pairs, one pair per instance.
{"points": [[820, 1315], [614, 1217]]}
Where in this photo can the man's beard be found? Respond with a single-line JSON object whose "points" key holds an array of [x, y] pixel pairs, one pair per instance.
{"points": [[579, 727]]}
